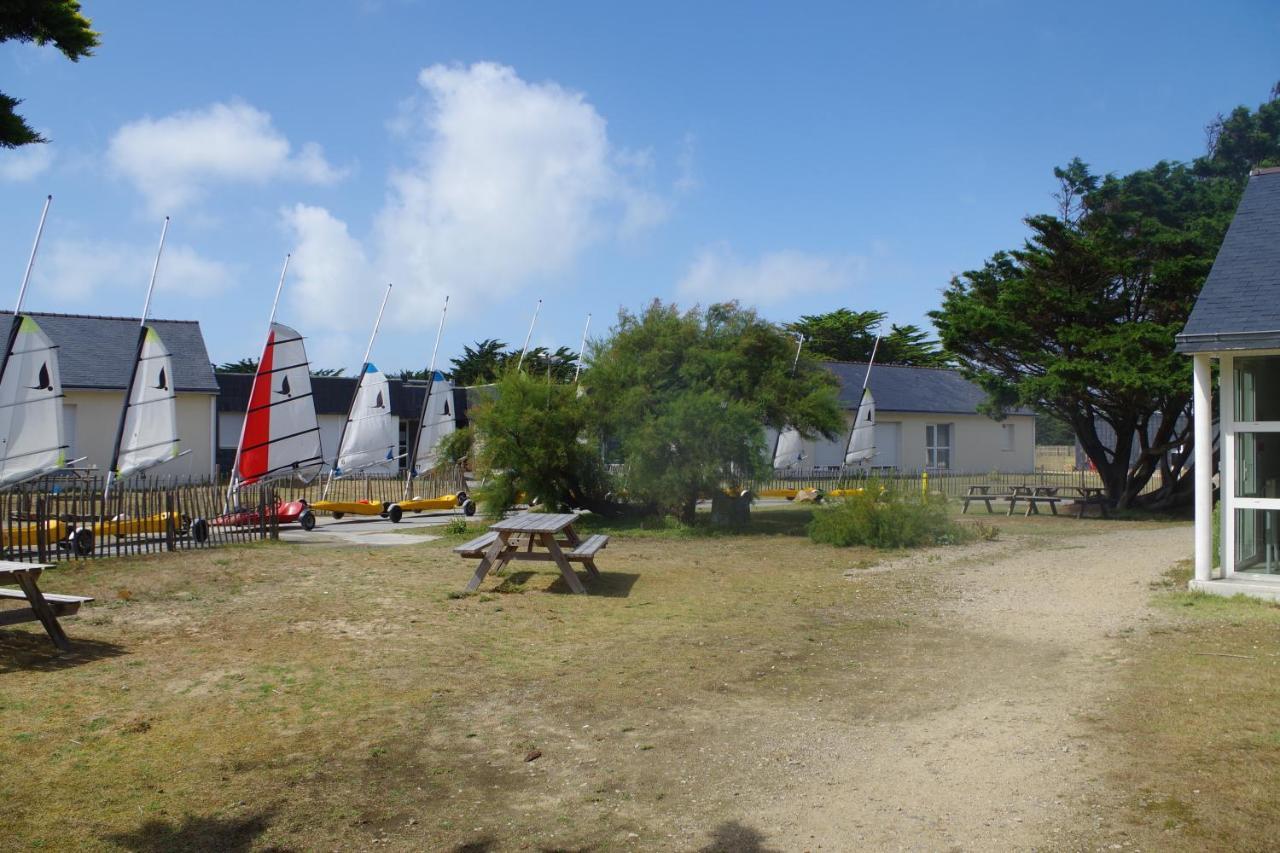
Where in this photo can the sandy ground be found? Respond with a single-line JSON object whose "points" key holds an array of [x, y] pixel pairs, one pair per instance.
{"points": [[1026, 653]]}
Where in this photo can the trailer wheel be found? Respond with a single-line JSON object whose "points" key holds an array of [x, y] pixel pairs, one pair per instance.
{"points": [[307, 520], [200, 530], [460, 498], [338, 515], [468, 507], [395, 513], [82, 542]]}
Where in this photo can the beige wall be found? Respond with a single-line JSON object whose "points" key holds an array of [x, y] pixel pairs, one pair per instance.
{"points": [[977, 443], [96, 417]]}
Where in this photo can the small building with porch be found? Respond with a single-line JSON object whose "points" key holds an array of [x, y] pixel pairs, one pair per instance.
{"points": [[1236, 322]]}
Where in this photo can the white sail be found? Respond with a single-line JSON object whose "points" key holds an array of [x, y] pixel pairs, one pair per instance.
{"points": [[790, 450], [150, 434], [281, 437], [438, 421], [862, 441], [31, 440], [370, 435]]}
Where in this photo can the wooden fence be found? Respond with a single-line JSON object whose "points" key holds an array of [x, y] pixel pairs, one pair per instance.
{"points": [[950, 483], [66, 518]]}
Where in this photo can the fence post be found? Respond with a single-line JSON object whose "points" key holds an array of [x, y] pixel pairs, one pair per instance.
{"points": [[275, 516], [170, 532], [262, 512], [42, 545]]}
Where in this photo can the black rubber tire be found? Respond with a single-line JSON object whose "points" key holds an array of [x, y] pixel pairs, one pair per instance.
{"points": [[338, 515], [82, 542], [468, 507], [307, 520], [200, 529], [460, 498], [395, 513]]}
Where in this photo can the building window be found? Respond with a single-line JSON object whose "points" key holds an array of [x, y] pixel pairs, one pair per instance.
{"points": [[1257, 396], [937, 445], [1007, 430]]}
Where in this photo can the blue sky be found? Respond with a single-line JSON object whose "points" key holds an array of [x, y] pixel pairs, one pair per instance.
{"points": [[801, 157]]}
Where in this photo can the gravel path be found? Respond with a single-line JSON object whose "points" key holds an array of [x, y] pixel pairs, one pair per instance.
{"points": [[1027, 642]]}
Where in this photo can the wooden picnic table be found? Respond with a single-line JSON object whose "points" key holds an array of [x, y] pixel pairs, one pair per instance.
{"points": [[535, 530], [42, 607]]}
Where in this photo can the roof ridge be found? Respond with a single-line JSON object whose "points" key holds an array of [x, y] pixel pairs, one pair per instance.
{"points": [[890, 364], [7, 312]]}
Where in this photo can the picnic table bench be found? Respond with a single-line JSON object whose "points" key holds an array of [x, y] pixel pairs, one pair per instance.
{"points": [[1081, 497], [43, 606], [533, 536]]}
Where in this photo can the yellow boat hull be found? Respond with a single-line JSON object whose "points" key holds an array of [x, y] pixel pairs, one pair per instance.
{"points": [[27, 535], [340, 508]]}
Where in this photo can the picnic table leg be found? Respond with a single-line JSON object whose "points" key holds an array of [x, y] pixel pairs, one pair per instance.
{"points": [[1013, 502], [566, 570], [44, 612], [487, 561]]}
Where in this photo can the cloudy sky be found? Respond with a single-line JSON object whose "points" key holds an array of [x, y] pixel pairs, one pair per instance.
{"points": [[799, 157]]}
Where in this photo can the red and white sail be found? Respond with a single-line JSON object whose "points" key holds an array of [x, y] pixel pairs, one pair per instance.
{"points": [[370, 437], [438, 421], [31, 432], [150, 433], [281, 438]]}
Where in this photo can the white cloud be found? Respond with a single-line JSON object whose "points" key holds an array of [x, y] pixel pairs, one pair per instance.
{"points": [[74, 270], [717, 274], [330, 280], [26, 163], [507, 182], [175, 160]]}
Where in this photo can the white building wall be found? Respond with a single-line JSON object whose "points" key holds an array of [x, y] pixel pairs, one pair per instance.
{"points": [[92, 418], [978, 443]]}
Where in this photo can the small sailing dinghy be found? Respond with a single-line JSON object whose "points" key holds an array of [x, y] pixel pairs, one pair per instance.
{"points": [[280, 437], [369, 437], [147, 434], [32, 444], [788, 446], [861, 448], [435, 422]]}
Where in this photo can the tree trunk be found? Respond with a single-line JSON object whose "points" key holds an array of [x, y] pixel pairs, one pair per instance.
{"points": [[688, 513]]}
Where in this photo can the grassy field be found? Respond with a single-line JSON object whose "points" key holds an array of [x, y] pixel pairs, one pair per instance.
{"points": [[307, 697]]}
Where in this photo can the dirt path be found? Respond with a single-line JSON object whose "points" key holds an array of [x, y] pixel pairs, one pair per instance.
{"points": [[1025, 646]]}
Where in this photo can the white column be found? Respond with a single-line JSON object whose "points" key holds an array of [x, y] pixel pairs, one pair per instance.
{"points": [[1202, 407]]}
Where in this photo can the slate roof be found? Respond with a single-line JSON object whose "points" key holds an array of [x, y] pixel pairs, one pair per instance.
{"points": [[98, 352], [1239, 306], [332, 394], [898, 388]]}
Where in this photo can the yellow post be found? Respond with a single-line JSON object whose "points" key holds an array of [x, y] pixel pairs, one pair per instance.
{"points": [[924, 483]]}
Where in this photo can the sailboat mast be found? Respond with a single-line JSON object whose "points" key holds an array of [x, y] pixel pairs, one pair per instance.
{"points": [[795, 365], [412, 452], [233, 484], [364, 366], [137, 360], [26, 278], [529, 335], [22, 291], [582, 348]]}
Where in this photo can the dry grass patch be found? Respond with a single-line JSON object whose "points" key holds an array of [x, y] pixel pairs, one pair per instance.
{"points": [[1196, 733], [298, 697]]}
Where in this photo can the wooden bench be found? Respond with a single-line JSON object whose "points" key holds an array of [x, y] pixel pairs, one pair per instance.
{"points": [[588, 548], [44, 608], [985, 495], [476, 547], [1041, 495], [61, 605]]}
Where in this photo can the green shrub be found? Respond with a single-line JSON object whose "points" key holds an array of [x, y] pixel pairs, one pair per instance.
{"points": [[887, 519]]}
